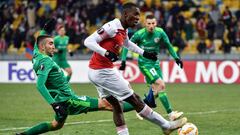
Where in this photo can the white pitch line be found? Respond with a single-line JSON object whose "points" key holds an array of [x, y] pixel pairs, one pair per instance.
{"points": [[70, 123], [212, 112], [110, 120]]}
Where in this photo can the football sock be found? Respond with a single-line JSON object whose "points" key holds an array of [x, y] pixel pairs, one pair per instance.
{"points": [[149, 99], [122, 130], [164, 99], [127, 107], [154, 117], [39, 129]]}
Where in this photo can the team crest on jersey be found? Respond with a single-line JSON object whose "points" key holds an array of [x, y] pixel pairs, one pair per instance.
{"points": [[156, 40], [100, 31], [42, 67]]}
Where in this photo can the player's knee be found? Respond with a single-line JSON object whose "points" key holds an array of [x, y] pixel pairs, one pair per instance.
{"points": [[159, 85], [137, 97], [105, 105], [135, 101], [114, 102], [69, 71], [56, 125]]}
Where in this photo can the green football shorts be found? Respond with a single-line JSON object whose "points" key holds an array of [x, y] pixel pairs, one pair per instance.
{"points": [[78, 105], [151, 72]]}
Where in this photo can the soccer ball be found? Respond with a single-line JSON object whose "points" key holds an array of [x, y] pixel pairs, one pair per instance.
{"points": [[188, 129]]}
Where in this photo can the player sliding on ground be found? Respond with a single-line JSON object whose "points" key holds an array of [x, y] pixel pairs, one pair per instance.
{"points": [[106, 44], [150, 39], [54, 87]]}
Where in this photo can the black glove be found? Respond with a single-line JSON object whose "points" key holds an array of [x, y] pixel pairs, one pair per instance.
{"points": [[150, 55], [71, 53], [111, 56], [179, 62], [60, 51], [49, 26], [123, 65], [60, 109]]}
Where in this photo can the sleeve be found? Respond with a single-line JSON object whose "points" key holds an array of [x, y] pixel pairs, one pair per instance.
{"points": [[92, 41], [124, 54], [169, 46], [67, 40], [45, 67], [135, 38], [42, 88], [42, 74], [56, 42], [133, 47]]}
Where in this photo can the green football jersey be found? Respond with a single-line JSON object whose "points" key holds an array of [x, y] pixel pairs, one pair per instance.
{"points": [[150, 42], [56, 83], [61, 44]]}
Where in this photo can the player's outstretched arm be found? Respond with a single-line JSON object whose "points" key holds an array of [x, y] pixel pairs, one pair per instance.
{"points": [[133, 47], [171, 50], [179, 62], [92, 41], [57, 107], [169, 46], [45, 66], [43, 90], [123, 57]]}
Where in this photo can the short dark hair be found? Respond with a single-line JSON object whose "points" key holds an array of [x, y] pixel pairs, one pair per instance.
{"points": [[128, 6], [150, 16], [41, 38]]}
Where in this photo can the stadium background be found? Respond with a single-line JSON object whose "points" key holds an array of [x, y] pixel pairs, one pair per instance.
{"points": [[205, 34]]}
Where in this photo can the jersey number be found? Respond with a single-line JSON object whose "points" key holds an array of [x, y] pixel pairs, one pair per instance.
{"points": [[153, 71]]}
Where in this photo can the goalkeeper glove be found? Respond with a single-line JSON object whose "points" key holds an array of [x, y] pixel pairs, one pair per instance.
{"points": [[60, 109], [123, 65], [150, 55], [111, 56], [71, 53], [60, 51], [179, 62]]}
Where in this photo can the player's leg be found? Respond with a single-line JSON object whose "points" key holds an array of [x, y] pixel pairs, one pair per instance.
{"points": [[162, 95], [44, 127], [103, 104], [111, 85], [84, 104], [150, 77], [153, 75], [69, 73], [118, 116], [152, 116]]}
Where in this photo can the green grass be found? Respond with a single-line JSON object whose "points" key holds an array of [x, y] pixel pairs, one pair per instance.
{"points": [[213, 108]]}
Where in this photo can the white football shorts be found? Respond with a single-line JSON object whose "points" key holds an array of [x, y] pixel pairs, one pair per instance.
{"points": [[108, 82]]}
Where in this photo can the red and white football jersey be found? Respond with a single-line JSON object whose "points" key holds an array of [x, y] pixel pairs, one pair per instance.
{"points": [[114, 36]]}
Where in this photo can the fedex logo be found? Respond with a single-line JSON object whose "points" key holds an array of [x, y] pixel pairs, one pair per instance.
{"points": [[20, 72]]}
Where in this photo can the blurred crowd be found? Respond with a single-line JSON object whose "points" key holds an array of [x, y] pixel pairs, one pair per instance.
{"points": [[193, 27]]}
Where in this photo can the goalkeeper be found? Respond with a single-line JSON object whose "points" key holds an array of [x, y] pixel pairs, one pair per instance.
{"points": [[55, 89], [149, 39]]}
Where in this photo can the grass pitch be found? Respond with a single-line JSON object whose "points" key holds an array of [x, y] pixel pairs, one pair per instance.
{"points": [[214, 109]]}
